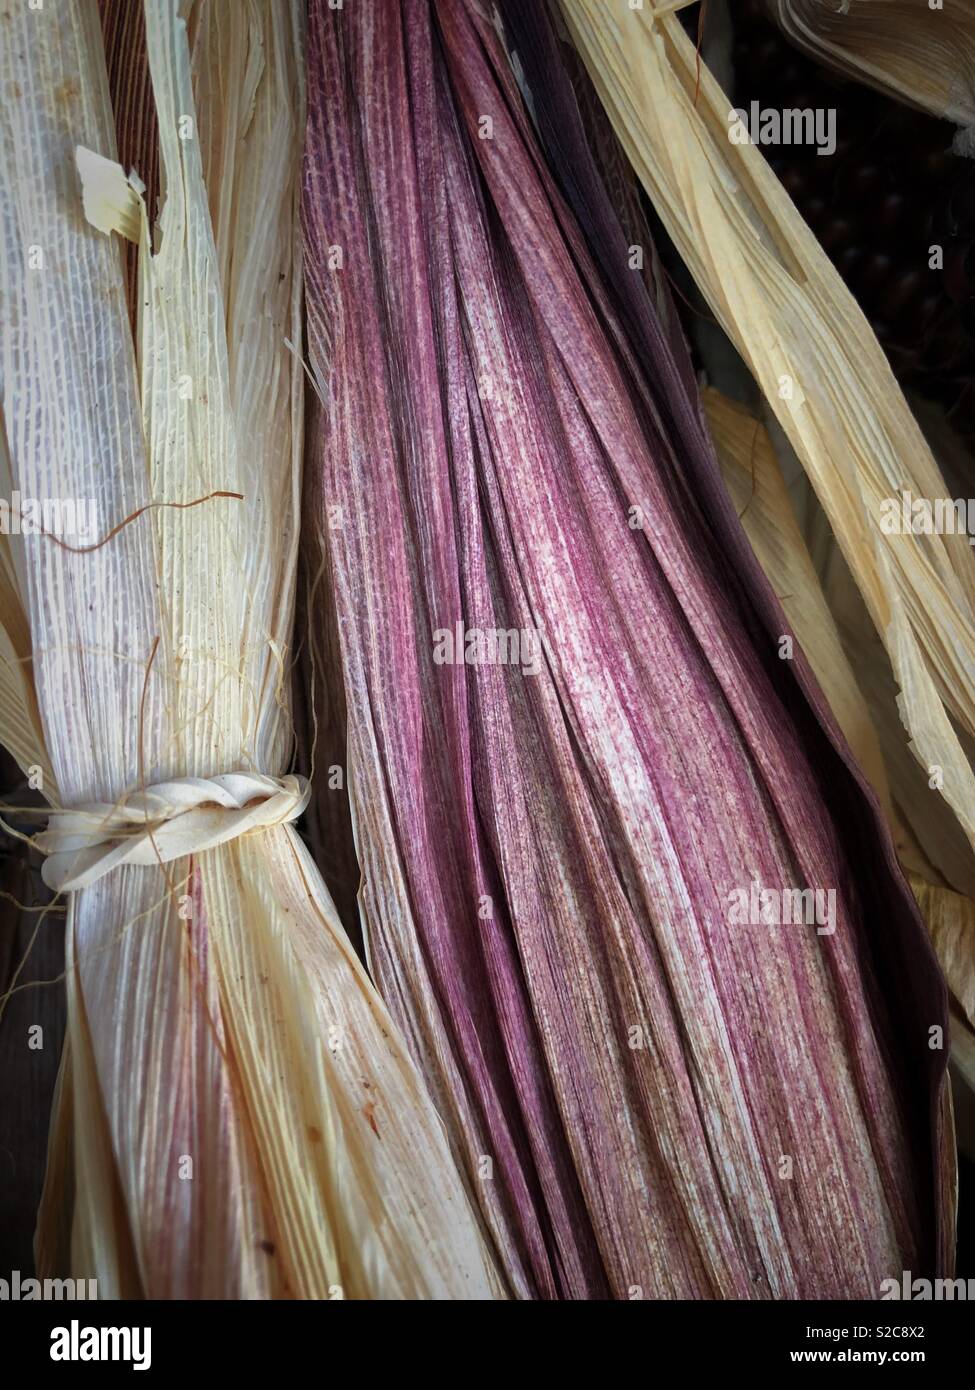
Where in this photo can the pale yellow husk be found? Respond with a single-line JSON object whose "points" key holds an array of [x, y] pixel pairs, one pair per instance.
{"points": [[951, 921], [836, 637], [754, 479], [922, 54], [236, 1115]]}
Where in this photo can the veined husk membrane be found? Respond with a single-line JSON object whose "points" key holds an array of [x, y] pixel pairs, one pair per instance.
{"points": [[801, 334], [237, 1117], [921, 54], [650, 1098]]}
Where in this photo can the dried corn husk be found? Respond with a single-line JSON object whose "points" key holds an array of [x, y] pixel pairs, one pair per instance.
{"points": [[812, 353], [963, 1075], [544, 855], [243, 1120], [758, 489], [923, 55], [951, 921], [754, 479]]}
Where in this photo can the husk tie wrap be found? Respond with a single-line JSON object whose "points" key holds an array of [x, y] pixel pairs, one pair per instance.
{"points": [[164, 822]]}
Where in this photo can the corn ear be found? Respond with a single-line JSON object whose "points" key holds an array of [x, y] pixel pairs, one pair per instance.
{"points": [[244, 1121]]}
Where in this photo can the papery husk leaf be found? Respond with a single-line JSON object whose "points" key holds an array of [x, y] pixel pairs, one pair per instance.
{"points": [[220, 1028], [320, 710], [963, 1083], [800, 332], [755, 481], [924, 56], [933, 826], [124, 32], [751, 470], [544, 856], [951, 921]]}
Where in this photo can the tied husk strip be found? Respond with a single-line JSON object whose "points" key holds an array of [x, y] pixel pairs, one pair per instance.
{"points": [[544, 856], [218, 1017]]}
